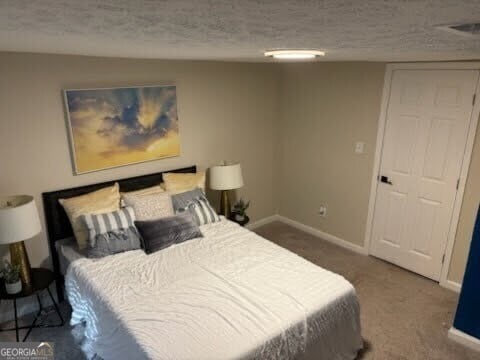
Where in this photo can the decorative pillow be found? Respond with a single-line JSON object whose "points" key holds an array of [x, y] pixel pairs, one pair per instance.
{"points": [[162, 233], [96, 202], [111, 233], [148, 207], [147, 191], [178, 182], [197, 205], [180, 201]]}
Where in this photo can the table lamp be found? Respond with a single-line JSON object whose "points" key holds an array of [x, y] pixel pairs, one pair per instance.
{"points": [[19, 221], [225, 177]]}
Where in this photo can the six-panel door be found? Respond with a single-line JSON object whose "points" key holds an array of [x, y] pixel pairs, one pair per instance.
{"points": [[428, 118]]}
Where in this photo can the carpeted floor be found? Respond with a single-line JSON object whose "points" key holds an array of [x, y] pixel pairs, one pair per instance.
{"points": [[404, 315]]}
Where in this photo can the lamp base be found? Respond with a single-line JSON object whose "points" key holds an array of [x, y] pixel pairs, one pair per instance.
{"points": [[225, 204], [18, 256]]}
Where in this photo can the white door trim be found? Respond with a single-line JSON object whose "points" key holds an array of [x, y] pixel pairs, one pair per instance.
{"points": [[465, 161]]}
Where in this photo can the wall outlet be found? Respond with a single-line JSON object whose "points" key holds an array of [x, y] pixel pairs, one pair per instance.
{"points": [[322, 211]]}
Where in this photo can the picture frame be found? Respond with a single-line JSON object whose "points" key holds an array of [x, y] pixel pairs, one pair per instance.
{"points": [[120, 126]]}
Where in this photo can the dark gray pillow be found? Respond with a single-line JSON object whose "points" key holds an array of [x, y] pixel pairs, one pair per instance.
{"points": [[161, 233], [182, 200]]}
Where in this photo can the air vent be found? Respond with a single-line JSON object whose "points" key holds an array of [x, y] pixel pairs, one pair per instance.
{"points": [[472, 29]]}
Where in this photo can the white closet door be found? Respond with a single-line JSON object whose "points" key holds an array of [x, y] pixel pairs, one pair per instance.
{"points": [[427, 124]]}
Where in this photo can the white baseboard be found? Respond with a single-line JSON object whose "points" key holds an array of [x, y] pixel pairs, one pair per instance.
{"points": [[261, 222], [323, 235], [448, 284], [451, 285], [464, 339]]}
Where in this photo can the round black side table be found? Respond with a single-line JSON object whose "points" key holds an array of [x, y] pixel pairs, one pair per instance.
{"points": [[41, 280], [241, 223]]}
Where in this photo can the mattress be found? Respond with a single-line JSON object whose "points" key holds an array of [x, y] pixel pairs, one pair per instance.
{"points": [[68, 252], [228, 295]]}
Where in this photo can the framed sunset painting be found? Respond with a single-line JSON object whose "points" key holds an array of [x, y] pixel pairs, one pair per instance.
{"points": [[120, 126]]}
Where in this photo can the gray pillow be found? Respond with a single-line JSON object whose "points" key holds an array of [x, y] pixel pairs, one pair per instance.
{"points": [[111, 233], [195, 202], [164, 232], [182, 200]]}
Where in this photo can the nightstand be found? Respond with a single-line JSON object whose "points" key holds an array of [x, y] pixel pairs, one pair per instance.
{"points": [[41, 280], [241, 223]]}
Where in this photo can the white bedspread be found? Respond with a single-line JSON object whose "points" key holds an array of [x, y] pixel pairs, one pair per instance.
{"points": [[229, 295]]}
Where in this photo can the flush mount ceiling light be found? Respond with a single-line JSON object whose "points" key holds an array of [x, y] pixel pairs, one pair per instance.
{"points": [[294, 54]]}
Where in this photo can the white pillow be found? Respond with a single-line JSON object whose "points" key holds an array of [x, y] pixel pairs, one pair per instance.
{"points": [[150, 206], [146, 191]]}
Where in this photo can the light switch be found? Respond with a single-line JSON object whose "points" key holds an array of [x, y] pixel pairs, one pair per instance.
{"points": [[359, 147]]}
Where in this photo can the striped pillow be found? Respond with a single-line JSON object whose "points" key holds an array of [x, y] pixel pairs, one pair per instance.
{"points": [[201, 211], [112, 232]]}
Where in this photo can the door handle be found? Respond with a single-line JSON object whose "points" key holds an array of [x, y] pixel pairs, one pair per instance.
{"points": [[384, 179]]}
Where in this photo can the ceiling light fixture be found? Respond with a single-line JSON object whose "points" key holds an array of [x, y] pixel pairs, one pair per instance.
{"points": [[294, 54]]}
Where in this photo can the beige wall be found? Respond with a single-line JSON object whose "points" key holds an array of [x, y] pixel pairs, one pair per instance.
{"points": [[292, 163], [226, 111], [326, 108]]}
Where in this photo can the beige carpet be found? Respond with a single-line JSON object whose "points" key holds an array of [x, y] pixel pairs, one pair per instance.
{"points": [[404, 315]]}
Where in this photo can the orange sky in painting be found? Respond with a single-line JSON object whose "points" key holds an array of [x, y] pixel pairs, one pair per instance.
{"points": [[115, 127]]}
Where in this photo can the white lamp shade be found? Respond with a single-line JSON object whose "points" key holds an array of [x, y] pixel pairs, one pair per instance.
{"points": [[226, 177], [19, 218]]}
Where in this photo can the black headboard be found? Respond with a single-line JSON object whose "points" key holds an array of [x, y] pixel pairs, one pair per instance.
{"points": [[58, 225]]}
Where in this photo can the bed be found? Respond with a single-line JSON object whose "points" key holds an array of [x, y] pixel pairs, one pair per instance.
{"points": [[228, 295]]}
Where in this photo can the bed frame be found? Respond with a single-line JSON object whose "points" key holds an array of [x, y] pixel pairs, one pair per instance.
{"points": [[58, 225]]}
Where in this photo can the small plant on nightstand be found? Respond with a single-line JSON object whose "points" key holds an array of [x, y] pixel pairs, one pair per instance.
{"points": [[11, 276], [239, 209]]}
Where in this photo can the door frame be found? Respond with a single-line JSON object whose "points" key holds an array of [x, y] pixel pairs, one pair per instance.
{"points": [[474, 119]]}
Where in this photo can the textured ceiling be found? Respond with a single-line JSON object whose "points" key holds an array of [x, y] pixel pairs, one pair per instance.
{"points": [[240, 29]]}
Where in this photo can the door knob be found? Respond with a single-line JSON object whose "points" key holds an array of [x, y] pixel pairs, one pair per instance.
{"points": [[384, 179]]}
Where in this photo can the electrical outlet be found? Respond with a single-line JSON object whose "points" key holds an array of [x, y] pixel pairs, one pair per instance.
{"points": [[322, 211]]}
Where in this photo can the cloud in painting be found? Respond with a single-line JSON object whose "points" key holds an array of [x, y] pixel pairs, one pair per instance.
{"points": [[114, 122], [132, 117]]}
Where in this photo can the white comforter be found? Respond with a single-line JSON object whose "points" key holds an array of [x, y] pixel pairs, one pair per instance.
{"points": [[229, 295]]}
